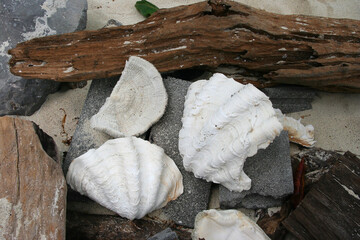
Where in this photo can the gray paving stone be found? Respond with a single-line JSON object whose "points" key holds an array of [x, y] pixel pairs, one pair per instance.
{"points": [[290, 98], [166, 234], [23, 20], [271, 175], [251, 201], [165, 134]]}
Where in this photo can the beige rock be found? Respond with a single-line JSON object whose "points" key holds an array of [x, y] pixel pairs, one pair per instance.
{"points": [[32, 186]]}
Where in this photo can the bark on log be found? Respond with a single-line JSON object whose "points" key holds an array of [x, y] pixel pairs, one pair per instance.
{"points": [[312, 51]]}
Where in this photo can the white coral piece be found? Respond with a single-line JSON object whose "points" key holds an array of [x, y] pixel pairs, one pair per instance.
{"points": [[226, 225], [137, 101], [129, 176], [298, 133], [224, 122]]}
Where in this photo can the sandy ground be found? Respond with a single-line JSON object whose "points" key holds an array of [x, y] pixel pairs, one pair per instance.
{"points": [[59, 115], [336, 117]]}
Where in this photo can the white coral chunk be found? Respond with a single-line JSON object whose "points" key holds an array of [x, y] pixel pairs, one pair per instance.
{"points": [[224, 122], [298, 133], [129, 176], [226, 225], [137, 101]]}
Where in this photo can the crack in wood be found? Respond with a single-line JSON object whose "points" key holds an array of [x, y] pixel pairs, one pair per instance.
{"points": [[17, 161]]}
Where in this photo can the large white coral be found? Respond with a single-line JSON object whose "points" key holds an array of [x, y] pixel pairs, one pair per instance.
{"points": [[129, 176], [226, 225], [137, 101], [224, 122]]}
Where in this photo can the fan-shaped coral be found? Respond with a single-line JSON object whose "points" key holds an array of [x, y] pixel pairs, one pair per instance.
{"points": [[137, 101]]}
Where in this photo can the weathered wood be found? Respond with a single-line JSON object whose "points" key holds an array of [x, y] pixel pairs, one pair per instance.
{"points": [[272, 224], [317, 161], [312, 51], [32, 186], [93, 227], [331, 209]]}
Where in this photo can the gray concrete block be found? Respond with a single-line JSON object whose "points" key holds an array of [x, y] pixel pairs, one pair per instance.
{"points": [[166, 234], [271, 174], [250, 201], [165, 134], [290, 98]]}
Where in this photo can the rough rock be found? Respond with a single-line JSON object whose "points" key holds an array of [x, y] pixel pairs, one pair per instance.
{"points": [[271, 174], [112, 23], [290, 98], [166, 234], [165, 134], [24, 20], [32, 186]]}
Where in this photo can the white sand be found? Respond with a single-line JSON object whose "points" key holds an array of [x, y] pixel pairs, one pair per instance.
{"points": [[100, 11], [336, 117]]}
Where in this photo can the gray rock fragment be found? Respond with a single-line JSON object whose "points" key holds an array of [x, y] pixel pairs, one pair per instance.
{"points": [[165, 134], [112, 23], [271, 174], [253, 201], [166, 234], [23, 20], [290, 98]]}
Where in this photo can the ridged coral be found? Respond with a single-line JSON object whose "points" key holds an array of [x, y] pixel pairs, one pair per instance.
{"points": [[224, 122]]}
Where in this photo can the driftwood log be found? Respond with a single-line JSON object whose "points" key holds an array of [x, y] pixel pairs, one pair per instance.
{"points": [[319, 52]]}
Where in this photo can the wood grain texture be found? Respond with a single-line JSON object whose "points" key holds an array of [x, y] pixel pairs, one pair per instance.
{"points": [[32, 186], [331, 209], [318, 52]]}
